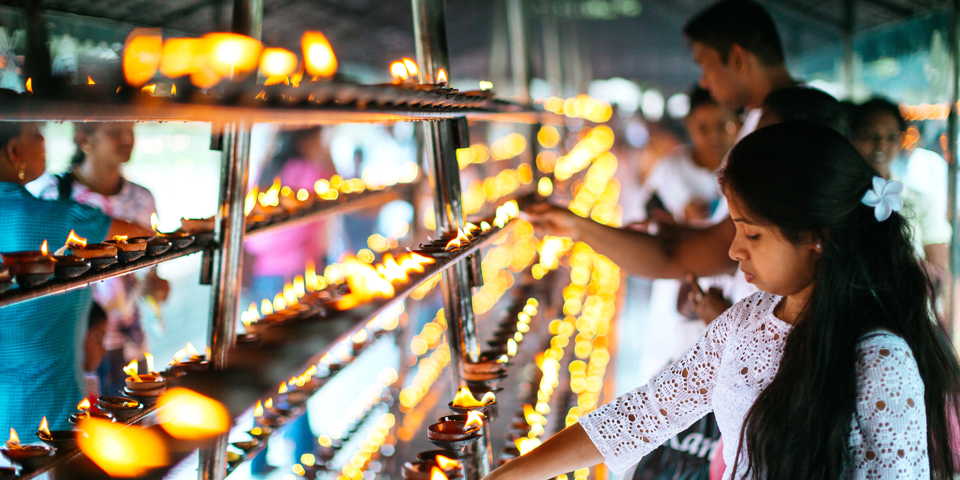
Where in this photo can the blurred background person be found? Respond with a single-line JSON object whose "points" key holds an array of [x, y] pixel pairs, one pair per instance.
{"points": [[41, 340], [95, 178]]}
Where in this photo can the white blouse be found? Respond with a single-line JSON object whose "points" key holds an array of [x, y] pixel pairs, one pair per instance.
{"points": [[733, 362]]}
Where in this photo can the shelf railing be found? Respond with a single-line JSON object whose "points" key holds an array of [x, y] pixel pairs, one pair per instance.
{"points": [[324, 208], [55, 286]]}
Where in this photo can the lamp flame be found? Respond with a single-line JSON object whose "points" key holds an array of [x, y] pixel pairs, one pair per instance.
{"points": [[14, 440], [75, 240], [43, 248], [399, 72], [412, 69], [437, 474], [90, 81], [271, 198], [29, 85], [120, 238], [269, 403], [442, 77], [277, 62], [186, 414], [474, 420], [503, 359], [392, 271], [283, 388], [250, 201], [154, 221], [511, 347], [44, 427], [84, 405], [258, 409], [446, 463], [142, 53], [318, 57], [266, 308], [150, 366], [465, 399], [132, 369]]}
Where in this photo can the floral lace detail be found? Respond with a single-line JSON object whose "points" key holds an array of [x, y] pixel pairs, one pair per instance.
{"points": [[733, 362]]}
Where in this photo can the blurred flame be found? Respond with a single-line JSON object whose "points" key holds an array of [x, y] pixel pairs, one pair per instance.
{"points": [[503, 359], [120, 238], [90, 81], [266, 308], [142, 55], [283, 388], [277, 62], [269, 403], [437, 474], [465, 399], [186, 414], [474, 420], [318, 57], [121, 450], [149, 88], [14, 440], [392, 271], [150, 366], [74, 239], [29, 85], [231, 53], [488, 398], [446, 463], [132, 369], [399, 72], [511, 347], [412, 69], [258, 409], [442, 77], [44, 427], [43, 248], [154, 221], [271, 197], [83, 405], [250, 200]]}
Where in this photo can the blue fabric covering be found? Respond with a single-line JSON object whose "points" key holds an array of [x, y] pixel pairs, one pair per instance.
{"points": [[41, 341]]}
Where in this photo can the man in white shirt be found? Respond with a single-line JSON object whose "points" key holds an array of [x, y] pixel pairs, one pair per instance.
{"points": [[741, 59]]}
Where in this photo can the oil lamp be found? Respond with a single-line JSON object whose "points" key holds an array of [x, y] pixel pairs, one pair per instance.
{"points": [[454, 433], [60, 440], [142, 52], [84, 412], [30, 268], [27, 456], [318, 57], [128, 249]]}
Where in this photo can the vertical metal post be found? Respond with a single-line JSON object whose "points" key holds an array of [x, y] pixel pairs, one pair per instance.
{"points": [[519, 62], [229, 229], [37, 64], [953, 130], [441, 140], [552, 63], [849, 26]]}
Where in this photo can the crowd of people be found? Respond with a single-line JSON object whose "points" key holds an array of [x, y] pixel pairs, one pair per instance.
{"points": [[796, 307]]}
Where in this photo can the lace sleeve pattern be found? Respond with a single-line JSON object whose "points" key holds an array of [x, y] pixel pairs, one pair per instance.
{"points": [[635, 423], [889, 434]]}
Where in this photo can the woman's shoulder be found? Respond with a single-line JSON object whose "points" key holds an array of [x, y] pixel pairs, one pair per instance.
{"points": [[750, 310], [884, 351]]}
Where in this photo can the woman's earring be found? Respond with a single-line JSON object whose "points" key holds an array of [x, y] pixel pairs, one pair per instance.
{"points": [[86, 148], [818, 247], [21, 174]]}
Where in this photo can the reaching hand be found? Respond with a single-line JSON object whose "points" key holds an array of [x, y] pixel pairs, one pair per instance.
{"points": [[157, 286], [553, 220], [707, 305]]}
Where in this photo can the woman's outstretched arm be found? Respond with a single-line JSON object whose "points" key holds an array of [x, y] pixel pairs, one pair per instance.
{"points": [[569, 450]]}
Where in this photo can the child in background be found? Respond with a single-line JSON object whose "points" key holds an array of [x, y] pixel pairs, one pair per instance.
{"points": [[93, 351]]}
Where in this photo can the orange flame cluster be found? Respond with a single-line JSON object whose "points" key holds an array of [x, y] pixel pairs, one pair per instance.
{"points": [[474, 419], [457, 243], [404, 71], [465, 399]]}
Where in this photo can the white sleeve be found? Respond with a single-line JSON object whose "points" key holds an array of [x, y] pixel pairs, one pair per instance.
{"points": [[889, 433], [636, 423]]}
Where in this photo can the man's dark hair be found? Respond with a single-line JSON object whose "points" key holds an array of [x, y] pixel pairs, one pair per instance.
{"points": [[742, 22], [871, 107], [807, 104], [9, 130], [700, 97]]}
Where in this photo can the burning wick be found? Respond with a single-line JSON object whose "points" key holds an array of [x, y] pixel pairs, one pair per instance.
{"points": [[44, 427], [43, 248], [120, 238], [268, 404], [154, 221], [132, 369], [437, 474], [465, 399], [150, 367], [474, 420], [258, 409], [90, 81], [14, 442], [446, 463], [503, 359], [442, 77]]}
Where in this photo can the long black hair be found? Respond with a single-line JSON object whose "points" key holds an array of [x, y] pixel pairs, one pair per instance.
{"points": [[807, 179]]}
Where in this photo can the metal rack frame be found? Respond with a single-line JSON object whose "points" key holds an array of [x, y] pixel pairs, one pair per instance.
{"points": [[446, 132]]}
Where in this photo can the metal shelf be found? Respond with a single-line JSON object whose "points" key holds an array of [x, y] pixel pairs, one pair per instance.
{"points": [[55, 286], [324, 208], [342, 104], [63, 458]]}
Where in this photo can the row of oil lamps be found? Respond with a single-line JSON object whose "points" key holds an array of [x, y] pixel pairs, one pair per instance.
{"points": [[458, 434], [36, 267], [141, 394]]}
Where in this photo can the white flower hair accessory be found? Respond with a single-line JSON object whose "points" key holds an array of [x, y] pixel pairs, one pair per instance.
{"points": [[884, 197]]}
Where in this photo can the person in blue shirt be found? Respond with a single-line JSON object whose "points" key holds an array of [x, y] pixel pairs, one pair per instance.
{"points": [[41, 340]]}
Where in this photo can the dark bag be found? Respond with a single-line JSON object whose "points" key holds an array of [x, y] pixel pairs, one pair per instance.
{"points": [[683, 457]]}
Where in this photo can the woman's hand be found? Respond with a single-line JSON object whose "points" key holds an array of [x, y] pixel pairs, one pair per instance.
{"points": [[707, 305], [553, 220], [157, 286], [570, 449]]}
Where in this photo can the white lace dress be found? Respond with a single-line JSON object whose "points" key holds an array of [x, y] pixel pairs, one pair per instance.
{"points": [[733, 362]]}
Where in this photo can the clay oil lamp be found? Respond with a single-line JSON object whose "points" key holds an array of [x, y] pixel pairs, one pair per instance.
{"points": [[28, 457], [70, 266], [127, 251], [100, 255], [450, 468], [61, 440], [188, 359], [122, 408], [268, 421], [246, 445], [196, 226], [465, 402], [180, 240], [84, 412], [157, 246], [30, 268], [260, 432], [456, 433], [146, 388]]}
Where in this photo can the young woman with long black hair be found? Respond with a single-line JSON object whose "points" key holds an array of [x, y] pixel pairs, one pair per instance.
{"points": [[835, 370]]}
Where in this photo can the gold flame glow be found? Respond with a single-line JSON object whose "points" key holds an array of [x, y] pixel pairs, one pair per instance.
{"points": [[120, 450], [446, 463], [437, 474], [442, 77], [142, 52], [465, 399], [154, 221], [399, 72], [44, 249], [258, 409], [150, 365], [232, 53], [14, 440], [132, 369], [474, 420], [84, 405], [75, 240], [318, 57], [277, 62], [29, 85], [412, 69], [186, 414]]}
